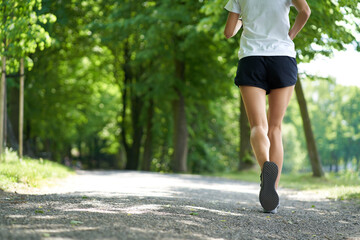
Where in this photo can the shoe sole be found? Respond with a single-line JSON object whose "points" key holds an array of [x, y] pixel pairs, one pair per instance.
{"points": [[272, 211], [268, 197]]}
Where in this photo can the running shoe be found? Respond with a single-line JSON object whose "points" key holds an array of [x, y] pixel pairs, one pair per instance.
{"points": [[269, 199], [273, 211]]}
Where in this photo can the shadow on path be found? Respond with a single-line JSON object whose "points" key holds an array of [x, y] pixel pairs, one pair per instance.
{"points": [[133, 205]]}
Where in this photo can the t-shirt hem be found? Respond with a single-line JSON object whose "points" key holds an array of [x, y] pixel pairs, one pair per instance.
{"points": [[293, 54]]}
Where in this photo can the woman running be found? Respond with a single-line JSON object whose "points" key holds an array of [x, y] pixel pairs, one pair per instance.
{"points": [[267, 66]]}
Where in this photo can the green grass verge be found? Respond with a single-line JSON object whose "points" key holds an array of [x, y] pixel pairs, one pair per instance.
{"points": [[341, 186], [29, 172]]}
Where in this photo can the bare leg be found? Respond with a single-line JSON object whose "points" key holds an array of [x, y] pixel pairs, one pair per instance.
{"points": [[255, 104], [278, 102]]}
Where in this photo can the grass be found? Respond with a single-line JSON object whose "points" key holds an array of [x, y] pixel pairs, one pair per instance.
{"points": [[340, 186], [36, 173], [29, 172]]}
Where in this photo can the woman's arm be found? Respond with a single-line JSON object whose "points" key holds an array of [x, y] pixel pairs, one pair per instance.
{"points": [[303, 15], [233, 25]]}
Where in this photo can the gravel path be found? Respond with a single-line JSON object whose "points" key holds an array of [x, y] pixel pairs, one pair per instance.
{"points": [[137, 205]]}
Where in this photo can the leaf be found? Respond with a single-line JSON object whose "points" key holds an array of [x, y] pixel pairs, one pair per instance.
{"points": [[85, 197], [74, 222], [313, 206], [194, 213]]}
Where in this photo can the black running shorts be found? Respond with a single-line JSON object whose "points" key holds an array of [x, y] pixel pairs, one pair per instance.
{"points": [[266, 72]]}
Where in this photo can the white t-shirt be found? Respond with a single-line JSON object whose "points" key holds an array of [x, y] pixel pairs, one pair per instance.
{"points": [[266, 27]]}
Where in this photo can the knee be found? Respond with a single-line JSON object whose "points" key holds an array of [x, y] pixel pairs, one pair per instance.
{"points": [[259, 130], [274, 130]]}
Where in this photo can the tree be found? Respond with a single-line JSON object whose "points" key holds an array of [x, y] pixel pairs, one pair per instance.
{"points": [[334, 108], [118, 32], [193, 54], [161, 63], [70, 93], [20, 35], [309, 136], [2, 95]]}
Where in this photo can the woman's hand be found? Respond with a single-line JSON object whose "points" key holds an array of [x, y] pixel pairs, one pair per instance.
{"points": [[233, 25], [303, 15]]}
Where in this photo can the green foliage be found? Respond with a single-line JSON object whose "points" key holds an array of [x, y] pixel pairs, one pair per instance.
{"points": [[212, 138], [295, 152], [332, 110], [21, 29], [74, 92], [74, 85], [331, 26], [75, 222], [336, 127], [168, 34]]}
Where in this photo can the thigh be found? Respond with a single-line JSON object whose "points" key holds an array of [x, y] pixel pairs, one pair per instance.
{"points": [[255, 104], [278, 101]]}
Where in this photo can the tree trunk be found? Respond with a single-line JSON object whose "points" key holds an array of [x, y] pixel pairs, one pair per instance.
{"points": [[21, 108], [90, 161], [127, 77], [28, 141], [180, 126], [146, 163], [12, 137], [13, 120], [310, 140], [5, 113], [133, 150], [133, 162], [245, 154], [96, 152], [2, 103]]}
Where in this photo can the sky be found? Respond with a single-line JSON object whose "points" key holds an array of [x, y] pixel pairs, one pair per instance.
{"points": [[344, 66]]}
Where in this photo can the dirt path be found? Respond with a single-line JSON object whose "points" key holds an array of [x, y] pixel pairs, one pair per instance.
{"points": [[136, 205]]}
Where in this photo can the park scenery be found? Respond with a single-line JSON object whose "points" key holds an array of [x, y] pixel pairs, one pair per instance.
{"points": [[119, 119]]}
